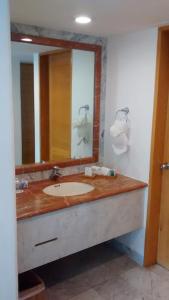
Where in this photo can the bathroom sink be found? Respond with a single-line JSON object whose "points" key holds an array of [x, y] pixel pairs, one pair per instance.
{"points": [[68, 189]]}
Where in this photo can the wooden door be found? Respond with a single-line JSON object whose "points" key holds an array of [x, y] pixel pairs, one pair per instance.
{"points": [[157, 229], [60, 82], [27, 113], [163, 239], [44, 107]]}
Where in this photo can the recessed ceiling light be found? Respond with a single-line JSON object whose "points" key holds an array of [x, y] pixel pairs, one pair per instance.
{"points": [[26, 39], [83, 20]]}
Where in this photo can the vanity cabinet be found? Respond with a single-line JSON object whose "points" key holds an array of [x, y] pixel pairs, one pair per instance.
{"points": [[50, 236]]}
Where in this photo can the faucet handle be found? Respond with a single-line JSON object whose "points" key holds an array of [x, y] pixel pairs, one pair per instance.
{"points": [[55, 168], [55, 172]]}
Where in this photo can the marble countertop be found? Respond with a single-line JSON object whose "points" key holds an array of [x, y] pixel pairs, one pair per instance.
{"points": [[33, 202]]}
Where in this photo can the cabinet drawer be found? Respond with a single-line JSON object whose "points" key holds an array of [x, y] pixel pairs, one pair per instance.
{"points": [[54, 235]]}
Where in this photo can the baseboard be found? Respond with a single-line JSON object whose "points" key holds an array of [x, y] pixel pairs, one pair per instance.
{"points": [[122, 248]]}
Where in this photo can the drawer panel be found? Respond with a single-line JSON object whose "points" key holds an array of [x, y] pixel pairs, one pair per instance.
{"points": [[58, 234]]}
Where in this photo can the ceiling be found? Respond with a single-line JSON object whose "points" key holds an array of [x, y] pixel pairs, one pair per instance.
{"points": [[109, 16], [25, 51]]}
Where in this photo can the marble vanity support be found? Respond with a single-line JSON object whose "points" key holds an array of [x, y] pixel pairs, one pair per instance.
{"points": [[64, 35]]}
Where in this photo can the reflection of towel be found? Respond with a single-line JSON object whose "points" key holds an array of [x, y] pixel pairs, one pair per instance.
{"points": [[119, 132], [84, 129]]}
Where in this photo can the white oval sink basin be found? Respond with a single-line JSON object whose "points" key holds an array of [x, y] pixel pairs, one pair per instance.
{"points": [[68, 189]]}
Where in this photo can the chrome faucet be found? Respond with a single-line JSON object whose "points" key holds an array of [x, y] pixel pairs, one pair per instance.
{"points": [[55, 173]]}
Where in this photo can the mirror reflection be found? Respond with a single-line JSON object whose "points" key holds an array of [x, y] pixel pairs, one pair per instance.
{"points": [[53, 96]]}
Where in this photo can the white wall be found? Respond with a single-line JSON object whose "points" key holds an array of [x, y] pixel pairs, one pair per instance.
{"points": [[8, 268], [130, 82], [16, 93], [82, 94]]}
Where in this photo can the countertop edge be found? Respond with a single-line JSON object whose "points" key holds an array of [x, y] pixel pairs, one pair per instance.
{"points": [[138, 186]]}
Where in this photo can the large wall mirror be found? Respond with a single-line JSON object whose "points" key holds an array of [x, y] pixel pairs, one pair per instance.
{"points": [[56, 93]]}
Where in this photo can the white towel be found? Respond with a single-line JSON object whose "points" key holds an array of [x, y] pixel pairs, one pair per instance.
{"points": [[120, 132], [119, 126]]}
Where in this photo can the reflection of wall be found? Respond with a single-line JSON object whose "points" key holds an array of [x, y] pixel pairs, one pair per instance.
{"points": [[17, 109], [16, 92], [82, 94], [131, 75], [16, 61]]}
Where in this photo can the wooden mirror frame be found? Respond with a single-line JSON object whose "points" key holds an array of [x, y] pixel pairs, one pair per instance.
{"points": [[27, 168]]}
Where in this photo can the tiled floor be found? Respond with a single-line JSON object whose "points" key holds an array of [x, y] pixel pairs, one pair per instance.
{"points": [[103, 274]]}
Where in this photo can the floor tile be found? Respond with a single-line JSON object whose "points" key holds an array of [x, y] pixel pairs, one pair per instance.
{"points": [[100, 273], [91, 294], [111, 288], [160, 271], [147, 283]]}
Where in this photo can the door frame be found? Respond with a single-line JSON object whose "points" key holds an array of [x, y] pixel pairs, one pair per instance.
{"points": [[157, 146]]}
